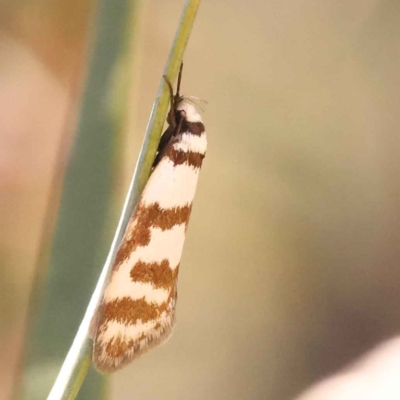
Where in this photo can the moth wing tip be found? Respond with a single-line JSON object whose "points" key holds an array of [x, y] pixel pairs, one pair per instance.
{"points": [[107, 364]]}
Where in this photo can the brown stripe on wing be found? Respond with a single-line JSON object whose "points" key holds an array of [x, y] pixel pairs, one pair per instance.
{"points": [[125, 350], [179, 157], [146, 217], [121, 351], [164, 218], [127, 311], [161, 275], [112, 355], [140, 236], [195, 128]]}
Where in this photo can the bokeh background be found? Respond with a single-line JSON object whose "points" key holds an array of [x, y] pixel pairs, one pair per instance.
{"points": [[290, 269]]}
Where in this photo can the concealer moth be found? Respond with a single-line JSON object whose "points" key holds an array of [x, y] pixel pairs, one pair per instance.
{"points": [[137, 310]]}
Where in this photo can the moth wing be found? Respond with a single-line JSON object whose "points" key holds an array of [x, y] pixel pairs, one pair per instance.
{"points": [[138, 307]]}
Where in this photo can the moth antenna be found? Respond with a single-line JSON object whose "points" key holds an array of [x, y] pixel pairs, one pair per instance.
{"points": [[170, 118], [178, 86]]}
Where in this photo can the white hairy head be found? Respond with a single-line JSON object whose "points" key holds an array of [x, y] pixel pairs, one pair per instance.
{"points": [[190, 110]]}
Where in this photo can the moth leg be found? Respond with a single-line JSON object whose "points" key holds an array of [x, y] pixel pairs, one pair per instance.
{"points": [[165, 139], [171, 113]]}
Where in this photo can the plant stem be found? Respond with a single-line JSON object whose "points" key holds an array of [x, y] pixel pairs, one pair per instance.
{"points": [[77, 362]]}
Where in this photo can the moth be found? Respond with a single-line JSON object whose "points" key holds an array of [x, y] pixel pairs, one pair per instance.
{"points": [[137, 310]]}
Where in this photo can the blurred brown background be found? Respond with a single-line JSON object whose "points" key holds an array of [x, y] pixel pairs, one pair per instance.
{"points": [[290, 268]]}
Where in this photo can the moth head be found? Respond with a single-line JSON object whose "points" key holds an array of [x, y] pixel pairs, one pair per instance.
{"points": [[186, 109]]}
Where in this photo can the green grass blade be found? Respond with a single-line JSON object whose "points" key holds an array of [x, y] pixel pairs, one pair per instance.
{"points": [[80, 240]]}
